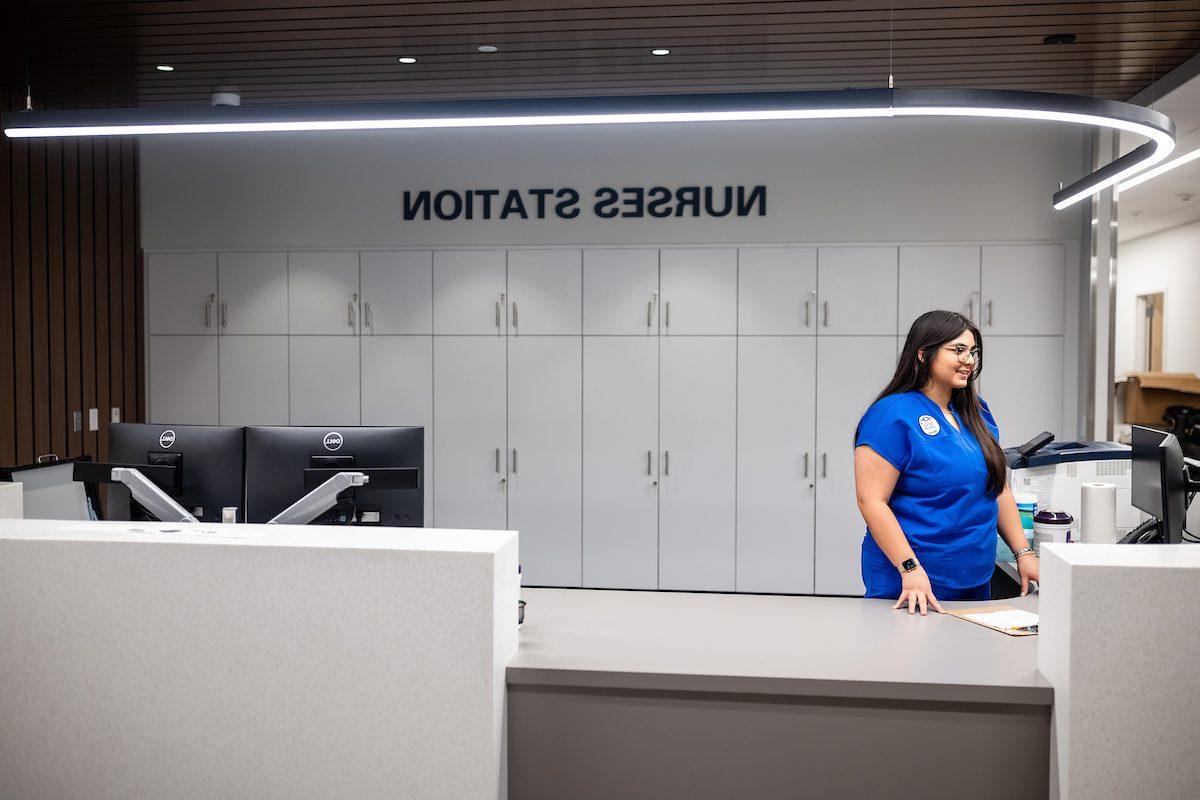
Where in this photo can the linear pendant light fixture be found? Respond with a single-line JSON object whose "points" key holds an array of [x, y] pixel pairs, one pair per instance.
{"points": [[850, 103]]}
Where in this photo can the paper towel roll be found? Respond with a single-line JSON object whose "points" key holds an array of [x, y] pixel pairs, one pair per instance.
{"points": [[1098, 513]]}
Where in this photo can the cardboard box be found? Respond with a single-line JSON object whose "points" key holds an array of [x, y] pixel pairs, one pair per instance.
{"points": [[1149, 394]]}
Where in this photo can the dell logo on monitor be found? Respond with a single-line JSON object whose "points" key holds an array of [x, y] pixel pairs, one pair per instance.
{"points": [[333, 441], [166, 439]]}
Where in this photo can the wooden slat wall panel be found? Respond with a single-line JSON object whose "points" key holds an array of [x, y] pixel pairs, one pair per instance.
{"points": [[70, 328]]}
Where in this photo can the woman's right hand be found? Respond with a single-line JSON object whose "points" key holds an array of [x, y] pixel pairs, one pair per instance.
{"points": [[916, 591]]}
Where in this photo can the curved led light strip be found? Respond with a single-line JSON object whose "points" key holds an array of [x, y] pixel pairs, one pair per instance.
{"points": [[850, 103]]}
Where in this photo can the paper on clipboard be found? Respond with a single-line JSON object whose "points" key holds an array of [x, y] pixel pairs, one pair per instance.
{"points": [[1006, 619]]}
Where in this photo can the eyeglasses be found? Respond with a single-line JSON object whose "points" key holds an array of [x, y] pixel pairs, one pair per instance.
{"points": [[962, 352]]}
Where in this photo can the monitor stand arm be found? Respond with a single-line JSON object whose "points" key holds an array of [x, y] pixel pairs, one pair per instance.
{"points": [[319, 500], [150, 497]]}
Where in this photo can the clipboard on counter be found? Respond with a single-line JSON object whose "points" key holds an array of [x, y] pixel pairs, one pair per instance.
{"points": [[1005, 619]]}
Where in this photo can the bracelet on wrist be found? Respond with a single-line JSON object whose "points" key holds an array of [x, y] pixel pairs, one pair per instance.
{"points": [[1024, 551]]}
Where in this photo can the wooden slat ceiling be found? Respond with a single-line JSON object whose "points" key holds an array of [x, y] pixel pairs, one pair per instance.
{"points": [[89, 54]]}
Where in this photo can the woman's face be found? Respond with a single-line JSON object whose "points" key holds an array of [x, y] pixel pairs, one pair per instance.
{"points": [[948, 368]]}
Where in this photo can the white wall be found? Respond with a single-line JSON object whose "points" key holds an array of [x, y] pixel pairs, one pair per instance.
{"points": [[1167, 262], [898, 180]]}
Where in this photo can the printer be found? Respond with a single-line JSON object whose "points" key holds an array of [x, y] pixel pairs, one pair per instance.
{"points": [[1056, 471]]}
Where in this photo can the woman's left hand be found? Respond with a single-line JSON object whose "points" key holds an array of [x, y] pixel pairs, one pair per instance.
{"points": [[1028, 567]]}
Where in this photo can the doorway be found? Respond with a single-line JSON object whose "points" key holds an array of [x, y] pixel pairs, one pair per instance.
{"points": [[1150, 332]]}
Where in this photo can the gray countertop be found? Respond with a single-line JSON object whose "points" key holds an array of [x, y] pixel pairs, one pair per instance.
{"points": [[769, 644]]}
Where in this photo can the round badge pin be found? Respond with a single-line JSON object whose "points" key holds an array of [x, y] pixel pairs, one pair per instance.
{"points": [[929, 425]]}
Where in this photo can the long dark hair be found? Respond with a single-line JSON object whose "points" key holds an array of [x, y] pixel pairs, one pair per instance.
{"points": [[928, 334]]}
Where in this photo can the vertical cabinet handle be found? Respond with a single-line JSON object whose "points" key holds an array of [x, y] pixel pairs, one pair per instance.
{"points": [[806, 463], [649, 313], [350, 311], [823, 460], [807, 313], [667, 318], [989, 313], [649, 462], [224, 315], [971, 307], [497, 460], [208, 307], [667, 462], [825, 314], [514, 313], [514, 461], [368, 318]]}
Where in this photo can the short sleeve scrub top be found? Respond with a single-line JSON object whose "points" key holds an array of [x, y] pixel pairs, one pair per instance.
{"points": [[940, 500]]}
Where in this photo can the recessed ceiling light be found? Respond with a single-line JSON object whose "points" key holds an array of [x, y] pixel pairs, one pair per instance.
{"points": [[165, 68], [407, 60], [660, 51], [1059, 38], [488, 48]]}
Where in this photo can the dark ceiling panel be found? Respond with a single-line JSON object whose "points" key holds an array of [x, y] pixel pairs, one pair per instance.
{"points": [[86, 54]]}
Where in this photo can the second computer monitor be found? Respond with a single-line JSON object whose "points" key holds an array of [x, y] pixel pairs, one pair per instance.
{"points": [[1159, 481], [285, 463]]}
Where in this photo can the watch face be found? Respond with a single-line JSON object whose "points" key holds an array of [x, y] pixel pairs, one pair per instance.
{"points": [[909, 564]]}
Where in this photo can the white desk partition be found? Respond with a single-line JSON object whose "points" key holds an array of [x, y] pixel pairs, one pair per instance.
{"points": [[166, 661], [1120, 642]]}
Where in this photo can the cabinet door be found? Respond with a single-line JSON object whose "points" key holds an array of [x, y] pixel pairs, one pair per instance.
{"points": [[324, 382], [469, 292], [856, 287], [1022, 382], [253, 293], [545, 421], [851, 370], [183, 380], [397, 293], [938, 278], [181, 293], [1023, 286], [397, 389], [620, 465], [777, 291], [697, 491], [545, 292], [323, 293], [699, 291], [470, 447], [775, 484], [620, 292], [254, 380]]}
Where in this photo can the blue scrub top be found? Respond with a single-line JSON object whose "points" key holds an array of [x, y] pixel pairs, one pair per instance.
{"points": [[940, 499]]}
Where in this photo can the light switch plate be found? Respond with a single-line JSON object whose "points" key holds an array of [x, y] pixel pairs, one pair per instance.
{"points": [[76, 421], [93, 419], [116, 415]]}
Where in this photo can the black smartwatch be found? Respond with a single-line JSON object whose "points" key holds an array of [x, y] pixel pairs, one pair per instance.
{"points": [[909, 564]]}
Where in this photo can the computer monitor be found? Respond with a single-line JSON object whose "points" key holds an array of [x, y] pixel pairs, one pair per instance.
{"points": [[285, 463], [50, 491], [1159, 486], [206, 461]]}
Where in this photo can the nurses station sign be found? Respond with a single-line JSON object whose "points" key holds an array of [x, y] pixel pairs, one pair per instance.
{"points": [[606, 202]]}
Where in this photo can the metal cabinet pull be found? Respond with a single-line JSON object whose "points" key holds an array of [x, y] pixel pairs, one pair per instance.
{"points": [[971, 306], [351, 313], [649, 313], [989, 308], [497, 460], [515, 322], [825, 314], [823, 460], [667, 318], [807, 312], [368, 317], [806, 463], [667, 463], [224, 315], [208, 307], [649, 462], [514, 461]]}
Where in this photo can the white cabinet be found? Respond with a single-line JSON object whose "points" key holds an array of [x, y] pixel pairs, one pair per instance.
{"points": [[470, 445], [620, 292], [851, 371], [698, 291], [181, 293], [397, 389], [545, 292], [182, 383], [396, 293], [545, 492], [324, 380], [697, 489], [938, 277], [254, 380], [620, 464], [323, 293], [777, 291], [253, 293], [469, 292], [1023, 288], [856, 290], [1022, 382], [775, 483]]}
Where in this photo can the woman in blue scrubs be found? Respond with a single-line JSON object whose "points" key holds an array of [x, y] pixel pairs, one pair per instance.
{"points": [[930, 475]]}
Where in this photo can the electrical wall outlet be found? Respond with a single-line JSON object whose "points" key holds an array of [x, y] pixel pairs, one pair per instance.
{"points": [[116, 415], [93, 419]]}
